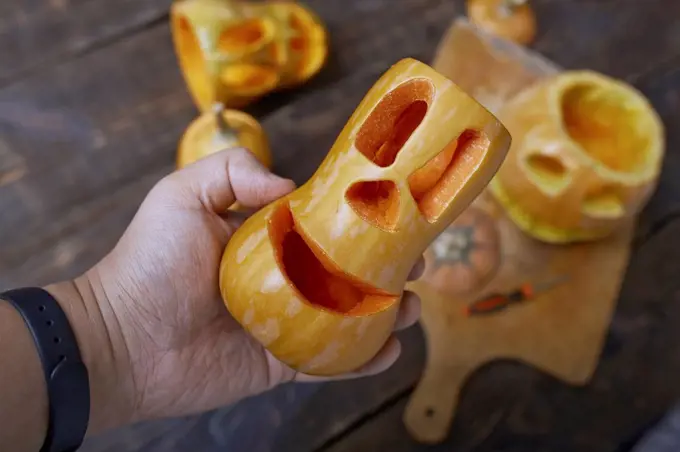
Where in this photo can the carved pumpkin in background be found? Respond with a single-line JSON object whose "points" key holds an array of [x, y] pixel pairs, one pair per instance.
{"points": [[586, 156], [234, 52], [317, 276]]}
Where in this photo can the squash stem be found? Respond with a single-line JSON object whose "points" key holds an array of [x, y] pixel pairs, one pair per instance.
{"points": [[225, 130]]}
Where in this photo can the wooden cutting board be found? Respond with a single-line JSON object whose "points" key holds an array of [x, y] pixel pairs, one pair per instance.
{"points": [[560, 332]]}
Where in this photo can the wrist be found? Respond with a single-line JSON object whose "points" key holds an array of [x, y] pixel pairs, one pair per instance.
{"points": [[102, 348]]}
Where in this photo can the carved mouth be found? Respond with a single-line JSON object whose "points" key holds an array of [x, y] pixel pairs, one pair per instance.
{"points": [[315, 277]]}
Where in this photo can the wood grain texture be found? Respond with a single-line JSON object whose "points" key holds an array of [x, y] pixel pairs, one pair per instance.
{"points": [[34, 34]]}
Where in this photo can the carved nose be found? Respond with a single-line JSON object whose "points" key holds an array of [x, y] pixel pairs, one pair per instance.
{"points": [[377, 202]]}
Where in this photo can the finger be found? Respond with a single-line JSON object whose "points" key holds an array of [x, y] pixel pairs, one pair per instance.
{"points": [[385, 358], [417, 270], [254, 185], [219, 180], [409, 311]]}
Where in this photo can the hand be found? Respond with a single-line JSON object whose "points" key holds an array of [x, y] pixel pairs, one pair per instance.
{"points": [[171, 346]]}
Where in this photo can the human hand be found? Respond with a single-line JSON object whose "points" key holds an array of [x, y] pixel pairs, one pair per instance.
{"points": [[169, 346]]}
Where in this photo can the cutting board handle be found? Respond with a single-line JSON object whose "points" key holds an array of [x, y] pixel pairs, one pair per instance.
{"points": [[431, 408]]}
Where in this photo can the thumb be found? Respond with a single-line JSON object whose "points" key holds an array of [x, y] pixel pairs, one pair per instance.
{"points": [[219, 180]]}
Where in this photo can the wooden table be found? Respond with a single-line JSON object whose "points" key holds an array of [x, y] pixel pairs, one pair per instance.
{"points": [[92, 105]]}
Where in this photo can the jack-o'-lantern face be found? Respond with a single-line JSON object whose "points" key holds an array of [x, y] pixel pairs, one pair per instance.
{"points": [[585, 158], [235, 52], [317, 276]]}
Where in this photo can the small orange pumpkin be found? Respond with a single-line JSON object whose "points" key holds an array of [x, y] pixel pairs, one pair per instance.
{"points": [[317, 276], [510, 19], [465, 255], [235, 52], [219, 130]]}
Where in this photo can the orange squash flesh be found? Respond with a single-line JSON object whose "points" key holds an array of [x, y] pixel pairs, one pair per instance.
{"points": [[317, 279], [317, 276], [469, 153], [423, 179]]}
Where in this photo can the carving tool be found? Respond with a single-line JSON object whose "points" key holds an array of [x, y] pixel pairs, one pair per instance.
{"points": [[498, 301]]}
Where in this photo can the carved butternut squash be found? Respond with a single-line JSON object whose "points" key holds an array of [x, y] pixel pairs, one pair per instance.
{"points": [[317, 276]]}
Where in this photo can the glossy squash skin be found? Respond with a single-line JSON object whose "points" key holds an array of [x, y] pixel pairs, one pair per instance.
{"points": [[317, 276]]}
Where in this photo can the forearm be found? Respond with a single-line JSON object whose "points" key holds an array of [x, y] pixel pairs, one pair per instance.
{"points": [[23, 393]]}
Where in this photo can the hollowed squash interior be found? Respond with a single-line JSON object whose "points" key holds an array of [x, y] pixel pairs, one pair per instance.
{"points": [[377, 202], [435, 185], [247, 79], [603, 122], [393, 120], [317, 279], [245, 36]]}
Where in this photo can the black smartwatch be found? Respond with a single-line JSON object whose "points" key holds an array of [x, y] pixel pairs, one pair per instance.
{"points": [[68, 387]]}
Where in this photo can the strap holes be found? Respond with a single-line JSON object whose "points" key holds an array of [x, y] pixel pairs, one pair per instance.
{"points": [[41, 308], [62, 357], [49, 323], [57, 340]]}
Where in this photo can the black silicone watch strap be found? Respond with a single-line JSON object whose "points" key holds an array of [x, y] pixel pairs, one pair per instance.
{"points": [[68, 388]]}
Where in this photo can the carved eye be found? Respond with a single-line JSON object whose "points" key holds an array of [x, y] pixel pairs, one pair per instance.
{"points": [[247, 39], [548, 173], [244, 36], [435, 184], [249, 79], [377, 202], [393, 121], [605, 202], [380, 138]]}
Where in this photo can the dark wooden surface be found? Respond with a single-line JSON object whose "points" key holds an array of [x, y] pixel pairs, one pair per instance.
{"points": [[92, 105]]}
